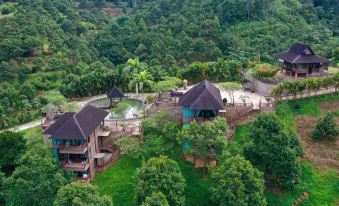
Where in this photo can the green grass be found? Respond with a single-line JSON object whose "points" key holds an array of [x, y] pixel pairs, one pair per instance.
{"points": [[33, 136], [118, 182], [323, 188], [333, 70]]}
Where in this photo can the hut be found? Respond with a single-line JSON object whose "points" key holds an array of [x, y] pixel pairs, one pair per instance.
{"points": [[201, 102], [115, 93], [300, 60]]}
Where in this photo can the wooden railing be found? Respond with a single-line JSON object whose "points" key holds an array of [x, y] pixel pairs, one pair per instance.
{"points": [[75, 166], [70, 149]]}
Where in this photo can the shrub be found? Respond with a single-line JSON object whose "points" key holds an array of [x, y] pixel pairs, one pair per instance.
{"points": [[265, 71], [326, 127], [7, 10]]}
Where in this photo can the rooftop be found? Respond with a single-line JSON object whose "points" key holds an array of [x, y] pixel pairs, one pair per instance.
{"points": [[301, 54], [76, 125], [115, 93], [204, 96]]}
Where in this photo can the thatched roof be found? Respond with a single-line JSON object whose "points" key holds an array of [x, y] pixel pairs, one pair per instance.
{"points": [[204, 96], [301, 54], [115, 93], [77, 125]]}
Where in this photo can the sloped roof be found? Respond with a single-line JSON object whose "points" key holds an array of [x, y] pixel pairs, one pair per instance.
{"points": [[77, 125], [301, 54], [204, 96], [115, 93]]}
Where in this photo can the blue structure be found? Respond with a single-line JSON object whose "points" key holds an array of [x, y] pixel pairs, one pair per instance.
{"points": [[201, 103]]}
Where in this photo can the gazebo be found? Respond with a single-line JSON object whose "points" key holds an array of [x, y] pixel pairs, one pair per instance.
{"points": [[202, 102], [115, 93]]}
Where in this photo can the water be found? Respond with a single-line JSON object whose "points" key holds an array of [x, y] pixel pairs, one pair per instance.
{"points": [[135, 107]]}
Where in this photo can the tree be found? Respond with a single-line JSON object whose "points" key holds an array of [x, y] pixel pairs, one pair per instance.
{"points": [[36, 181], [236, 182], [129, 146], [326, 127], [2, 188], [230, 88], [120, 108], [75, 194], [12, 147], [160, 174], [206, 138], [143, 79], [156, 199], [274, 150]]}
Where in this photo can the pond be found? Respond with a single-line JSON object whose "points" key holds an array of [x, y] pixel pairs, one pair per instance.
{"points": [[134, 108]]}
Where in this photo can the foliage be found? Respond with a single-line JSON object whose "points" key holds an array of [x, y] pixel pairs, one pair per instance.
{"points": [[326, 127], [160, 174], [2, 188], [265, 71], [237, 182], [75, 194], [305, 86], [12, 147], [37, 174], [155, 199], [206, 138], [274, 151], [129, 146]]}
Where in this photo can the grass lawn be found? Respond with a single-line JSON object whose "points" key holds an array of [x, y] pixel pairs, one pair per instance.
{"points": [[33, 136], [333, 70], [117, 182]]}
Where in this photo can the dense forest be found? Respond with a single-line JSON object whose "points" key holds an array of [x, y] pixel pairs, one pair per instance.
{"points": [[81, 47]]}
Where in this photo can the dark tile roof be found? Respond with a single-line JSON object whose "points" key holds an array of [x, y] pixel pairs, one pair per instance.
{"points": [[77, 125], [204, 96], [115, 93], [301, 54]]}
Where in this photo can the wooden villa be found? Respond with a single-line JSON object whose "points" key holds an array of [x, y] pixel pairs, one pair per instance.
{"points": [[79, 142], [202, 102], [115, 93], [300, 60]]}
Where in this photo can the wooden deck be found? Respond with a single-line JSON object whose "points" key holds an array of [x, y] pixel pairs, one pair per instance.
{"points": [[76, 166]]}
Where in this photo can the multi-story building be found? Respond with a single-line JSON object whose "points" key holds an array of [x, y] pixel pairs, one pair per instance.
{"points": [[79, 142]]}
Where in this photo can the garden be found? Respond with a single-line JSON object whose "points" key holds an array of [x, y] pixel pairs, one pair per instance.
{"points": [[314, 187]]}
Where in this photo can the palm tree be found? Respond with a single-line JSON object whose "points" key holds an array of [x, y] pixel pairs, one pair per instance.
{"points": [[133, 66], [142, 79]]}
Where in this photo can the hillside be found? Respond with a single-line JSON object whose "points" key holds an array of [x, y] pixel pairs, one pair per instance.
{"points": [[81, 48]]}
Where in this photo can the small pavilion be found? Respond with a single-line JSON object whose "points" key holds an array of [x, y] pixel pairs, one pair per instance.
{"points": [[202, 102], [115, 93]]}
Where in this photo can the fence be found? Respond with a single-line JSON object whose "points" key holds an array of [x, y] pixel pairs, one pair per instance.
{"points": [[307, 94]]}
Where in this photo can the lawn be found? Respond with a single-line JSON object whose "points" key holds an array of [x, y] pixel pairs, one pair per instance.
{"points": [[333, 70], [33, 136], [118, 182]]}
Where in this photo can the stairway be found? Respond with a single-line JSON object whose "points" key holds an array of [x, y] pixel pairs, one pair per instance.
{"points": [[110, 162]]}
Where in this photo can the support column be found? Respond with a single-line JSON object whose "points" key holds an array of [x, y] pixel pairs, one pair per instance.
{"points": [[296, 75]]}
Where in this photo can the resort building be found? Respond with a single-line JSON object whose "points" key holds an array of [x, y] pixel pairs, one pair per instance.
{"points": [[79, 142], [300, 60], [202, 102]]}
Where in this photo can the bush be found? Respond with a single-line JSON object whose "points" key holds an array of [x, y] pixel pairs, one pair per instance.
{"points": [[7, 10], [265, 71], [326, 127]]}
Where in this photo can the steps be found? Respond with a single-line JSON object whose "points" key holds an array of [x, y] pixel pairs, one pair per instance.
{"points": [[110, 162]]}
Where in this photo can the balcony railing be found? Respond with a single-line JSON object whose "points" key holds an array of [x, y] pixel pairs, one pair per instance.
{"points": [[70, 149], [75, 166]]}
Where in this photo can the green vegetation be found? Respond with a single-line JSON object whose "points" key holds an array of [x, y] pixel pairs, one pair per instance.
{"points": [[80, 194], [326, 127], [265, 71]]}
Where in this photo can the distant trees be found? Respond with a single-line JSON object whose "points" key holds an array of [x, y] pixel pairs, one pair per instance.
{"points": [[12, 147], [163, 175], [230, 88], [326, 127], [75, 194], [237, 182], [274, 151]]}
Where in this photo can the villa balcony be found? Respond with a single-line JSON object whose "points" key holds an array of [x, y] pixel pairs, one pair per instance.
{"points": [[75, 166], [70, 149]]}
